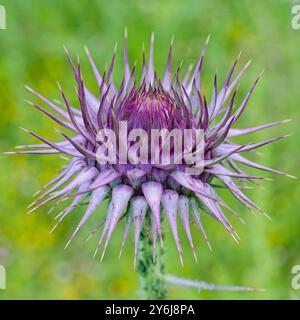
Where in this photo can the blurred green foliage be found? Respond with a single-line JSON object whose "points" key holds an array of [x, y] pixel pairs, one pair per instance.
{"points": [[31, 52]]}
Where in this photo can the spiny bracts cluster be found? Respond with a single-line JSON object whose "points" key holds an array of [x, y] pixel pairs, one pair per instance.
{"points": [[144, 190]]}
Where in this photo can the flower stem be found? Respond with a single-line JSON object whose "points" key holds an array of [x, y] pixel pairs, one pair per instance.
{"points": [[151, 273]]}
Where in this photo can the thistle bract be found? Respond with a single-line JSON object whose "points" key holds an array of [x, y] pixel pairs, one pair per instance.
{"points": [[145, 193]]}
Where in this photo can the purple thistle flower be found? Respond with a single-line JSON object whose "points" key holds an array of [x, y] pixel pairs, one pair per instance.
{"points": [[135, 191]]}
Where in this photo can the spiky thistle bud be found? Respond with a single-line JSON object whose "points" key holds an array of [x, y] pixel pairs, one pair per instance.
{"points": [[136, 190]]}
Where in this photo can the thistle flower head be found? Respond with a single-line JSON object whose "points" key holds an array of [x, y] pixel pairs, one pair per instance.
{"points": [[139, 189]]}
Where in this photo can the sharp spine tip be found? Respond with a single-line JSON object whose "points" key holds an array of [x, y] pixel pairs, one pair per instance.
{"points": [[172, 41], [52, 230], [207, 39], [195, 256], [262, 72], [115, 48], [30, 205], [29, 102], [209, 245], [28, 88], [30, 211], [286, 120], [36, 193], [95, 253], [102, 256], [87, 51], [181, 260], [152, 36], [66, 246], [23, 129], [88, 238], [66, 50], [268, 217]]}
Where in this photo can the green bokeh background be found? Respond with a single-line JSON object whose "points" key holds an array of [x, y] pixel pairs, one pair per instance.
{"points": [[31, 52]]}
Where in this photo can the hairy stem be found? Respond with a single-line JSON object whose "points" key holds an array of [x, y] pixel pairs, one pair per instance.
{"points": [[150, 271]]}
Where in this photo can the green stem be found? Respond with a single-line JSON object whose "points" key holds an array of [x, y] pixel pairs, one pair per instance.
{"points": [[151, 273]]}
